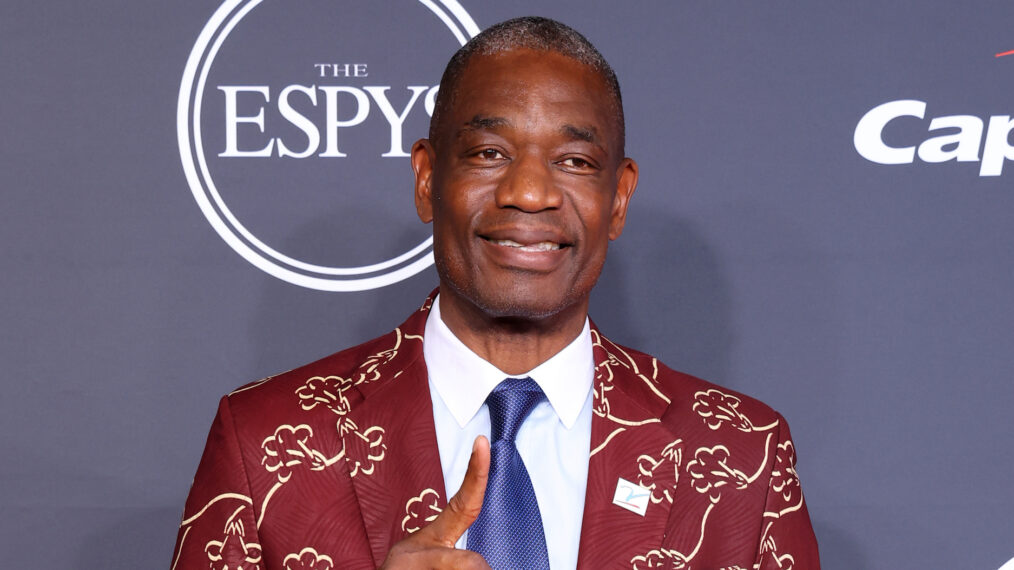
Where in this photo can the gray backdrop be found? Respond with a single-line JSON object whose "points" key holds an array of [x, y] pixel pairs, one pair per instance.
{"points": [[869, 303]]}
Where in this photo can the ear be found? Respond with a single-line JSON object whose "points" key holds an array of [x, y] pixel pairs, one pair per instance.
{"points": [[422, 164], [626, 182]]}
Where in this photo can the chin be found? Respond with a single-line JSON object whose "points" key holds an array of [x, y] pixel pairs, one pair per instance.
{"points": [[524, 308], [518, 302], [517, 295]]}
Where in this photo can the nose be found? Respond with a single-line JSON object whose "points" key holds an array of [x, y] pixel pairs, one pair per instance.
{"points": [[528, 185]]}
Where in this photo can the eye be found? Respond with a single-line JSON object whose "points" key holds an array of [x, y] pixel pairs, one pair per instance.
{"points": [[576, 163], [490, 154]]}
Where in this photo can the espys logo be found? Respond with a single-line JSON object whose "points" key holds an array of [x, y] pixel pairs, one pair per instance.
{"points": [[961, 138], [292, 123]]}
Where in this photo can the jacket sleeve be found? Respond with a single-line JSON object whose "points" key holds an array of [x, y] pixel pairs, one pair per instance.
{"points": [[219, 528], [787, 539]]}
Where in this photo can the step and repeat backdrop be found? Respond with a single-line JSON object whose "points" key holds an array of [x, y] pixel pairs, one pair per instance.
{"points": [[198, 195]]}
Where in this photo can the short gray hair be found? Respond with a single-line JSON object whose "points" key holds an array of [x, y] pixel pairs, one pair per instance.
{"points": [[528, 32]]}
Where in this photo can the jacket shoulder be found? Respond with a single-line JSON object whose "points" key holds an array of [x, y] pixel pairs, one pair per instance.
{"points": [[696, 402], [363, 368]]}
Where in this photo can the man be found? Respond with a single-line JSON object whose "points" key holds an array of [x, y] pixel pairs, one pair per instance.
{"points": [[609, 460]]}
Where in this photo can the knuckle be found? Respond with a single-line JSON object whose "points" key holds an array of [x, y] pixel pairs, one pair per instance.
{"points": [[474, 560], [458, 506]]}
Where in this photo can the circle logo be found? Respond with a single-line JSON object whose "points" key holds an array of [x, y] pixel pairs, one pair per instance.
{"points": [[291, 117]]}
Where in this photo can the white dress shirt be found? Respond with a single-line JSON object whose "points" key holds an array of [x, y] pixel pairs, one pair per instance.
{"points": [[553, 441]]}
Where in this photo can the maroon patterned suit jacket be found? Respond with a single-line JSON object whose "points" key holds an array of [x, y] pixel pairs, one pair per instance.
{"points": [[327, 466]]}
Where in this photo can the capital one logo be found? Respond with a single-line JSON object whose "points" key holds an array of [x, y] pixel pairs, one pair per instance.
{"points": [[960, 138], [293, 122], [965, 138]]}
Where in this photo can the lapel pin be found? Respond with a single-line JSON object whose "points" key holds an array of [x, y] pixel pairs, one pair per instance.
{"points": [[631, 496]]}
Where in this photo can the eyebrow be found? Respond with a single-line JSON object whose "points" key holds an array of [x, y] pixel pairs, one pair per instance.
{"points": [[483, 123], [586, 134]]}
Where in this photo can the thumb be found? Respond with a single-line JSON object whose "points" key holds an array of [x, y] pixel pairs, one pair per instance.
{"points": [[464, 506]]}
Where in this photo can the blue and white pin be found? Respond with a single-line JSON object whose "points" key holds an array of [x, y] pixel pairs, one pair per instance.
{"points": [[631, 496]]}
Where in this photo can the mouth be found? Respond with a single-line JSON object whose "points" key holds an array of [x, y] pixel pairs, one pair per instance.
{"points": [[535, 250], [533, 247]]}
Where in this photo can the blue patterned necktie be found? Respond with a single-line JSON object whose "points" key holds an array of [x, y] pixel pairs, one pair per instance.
{"points": [[508, 532]]}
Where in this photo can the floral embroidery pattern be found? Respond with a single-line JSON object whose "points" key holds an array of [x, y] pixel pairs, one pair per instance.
{"points": [[601, 400], [308, 559], [372, 369], [603, 384], [661, 558], [290, 448], [369, 370], [784, 479], [710, 472], [233, 552], [421, 509], [769, 550], [328, 391], [367, 449], [716, 408], [661, 475]]}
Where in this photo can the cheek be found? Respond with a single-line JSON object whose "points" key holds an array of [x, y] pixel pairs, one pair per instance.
{"points": [[596, 222], [596, 216], [453, 227]]}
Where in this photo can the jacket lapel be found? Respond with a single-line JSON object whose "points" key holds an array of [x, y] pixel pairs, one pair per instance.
{"points": [[390, 442], [628, 442]]}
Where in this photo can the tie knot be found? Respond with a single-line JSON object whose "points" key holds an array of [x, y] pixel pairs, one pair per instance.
{"points": [[509, 404]]}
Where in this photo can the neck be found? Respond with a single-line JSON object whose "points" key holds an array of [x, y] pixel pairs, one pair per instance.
{"points": [[515, 345]]}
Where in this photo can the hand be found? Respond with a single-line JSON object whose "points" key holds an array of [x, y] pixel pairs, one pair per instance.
{"points": [[433, 546]]}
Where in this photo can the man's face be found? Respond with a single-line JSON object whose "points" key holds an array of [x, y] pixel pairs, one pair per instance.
{"points": [[525, 184]]}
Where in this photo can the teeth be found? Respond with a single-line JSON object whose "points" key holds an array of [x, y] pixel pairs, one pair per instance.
{"points": [[541, 246]]}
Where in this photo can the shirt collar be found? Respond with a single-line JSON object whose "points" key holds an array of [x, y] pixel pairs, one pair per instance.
{"points": [[464, 380]]}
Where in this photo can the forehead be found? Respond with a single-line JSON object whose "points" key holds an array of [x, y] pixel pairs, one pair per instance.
{"points": [[534, 89]]}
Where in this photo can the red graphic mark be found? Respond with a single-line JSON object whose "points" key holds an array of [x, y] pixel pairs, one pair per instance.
{"points": [[1003, 53]]}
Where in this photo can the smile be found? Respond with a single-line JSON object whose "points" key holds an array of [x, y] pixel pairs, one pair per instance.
{"points": [[540, 246]]}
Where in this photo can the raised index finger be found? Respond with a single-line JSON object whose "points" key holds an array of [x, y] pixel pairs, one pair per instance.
{"points": [[464, 506]]}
